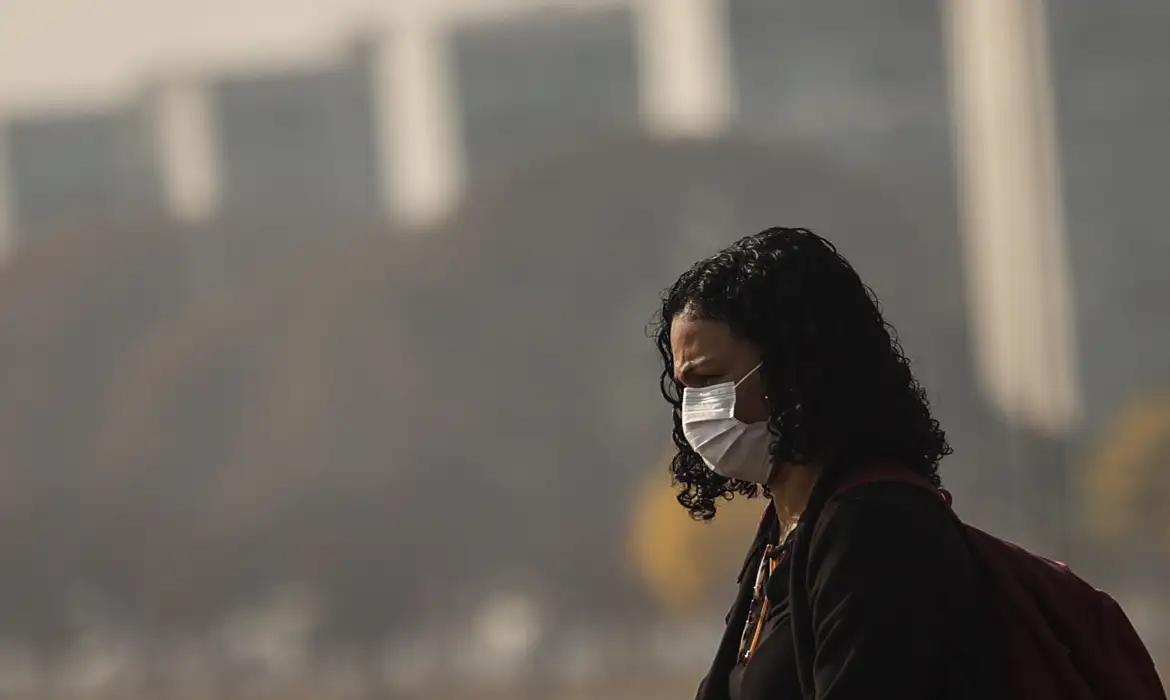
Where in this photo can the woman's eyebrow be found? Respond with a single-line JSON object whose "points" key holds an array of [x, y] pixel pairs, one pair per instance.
{"points": [[688, 369]]}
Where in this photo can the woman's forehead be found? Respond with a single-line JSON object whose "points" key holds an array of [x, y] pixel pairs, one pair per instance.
{"points": [[693, 338]]}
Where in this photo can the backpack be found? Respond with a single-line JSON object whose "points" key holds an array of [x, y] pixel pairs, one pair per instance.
{"points": [[1061, 639]]}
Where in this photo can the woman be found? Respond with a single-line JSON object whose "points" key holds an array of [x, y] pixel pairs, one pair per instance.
{"points": [[785, 379]]}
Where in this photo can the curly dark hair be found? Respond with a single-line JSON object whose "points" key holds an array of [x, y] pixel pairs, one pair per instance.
{"points": [[839, 387]]}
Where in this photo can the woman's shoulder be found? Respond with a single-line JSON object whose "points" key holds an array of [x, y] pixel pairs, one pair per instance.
{"points": [[890, 495], [888, 516]]}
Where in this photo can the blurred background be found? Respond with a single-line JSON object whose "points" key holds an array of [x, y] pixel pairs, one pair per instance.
{"points": [[323, 357]]}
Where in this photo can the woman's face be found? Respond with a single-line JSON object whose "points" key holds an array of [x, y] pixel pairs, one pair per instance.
{"points": [[707, 352]]}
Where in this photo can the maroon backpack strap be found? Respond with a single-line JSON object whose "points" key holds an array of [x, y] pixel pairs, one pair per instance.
{"points": [[886, 473]]}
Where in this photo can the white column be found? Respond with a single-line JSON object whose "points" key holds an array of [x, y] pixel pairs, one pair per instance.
{"points": [[187, 142], [421, 154], [685, 67], [1016, 257], [7, 209]]}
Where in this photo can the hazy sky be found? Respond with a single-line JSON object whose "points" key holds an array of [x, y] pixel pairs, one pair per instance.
{"points": [[71, 53]]}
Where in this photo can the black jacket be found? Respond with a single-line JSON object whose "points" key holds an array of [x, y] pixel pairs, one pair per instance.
{"points": [[883, 602]]}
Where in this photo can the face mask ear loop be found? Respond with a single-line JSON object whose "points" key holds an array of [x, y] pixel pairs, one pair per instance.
{"points": [[753, 371]]}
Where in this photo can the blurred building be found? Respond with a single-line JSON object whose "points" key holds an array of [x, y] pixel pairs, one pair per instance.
{"points": [[70, 169], [545, 84], [300, 143]]}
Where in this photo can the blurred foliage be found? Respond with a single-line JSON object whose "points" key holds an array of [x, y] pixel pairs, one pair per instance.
{"points": [[681, 561], [1125, 479], [72, 310]]}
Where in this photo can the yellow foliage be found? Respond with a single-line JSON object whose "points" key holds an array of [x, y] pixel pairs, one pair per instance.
{"points": [[682, 561], [1124, 467]]}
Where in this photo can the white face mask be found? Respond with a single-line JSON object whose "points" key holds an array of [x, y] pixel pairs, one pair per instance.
{"points": [[730, 447]]}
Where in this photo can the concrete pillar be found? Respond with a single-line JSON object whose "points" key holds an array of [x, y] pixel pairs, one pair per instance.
{"points": [[421, 153], [685, 67], [187, 143], [1010, 196], [7, 210]]}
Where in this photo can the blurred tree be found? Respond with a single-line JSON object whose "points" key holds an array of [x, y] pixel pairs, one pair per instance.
{"points": [[1125, 481], [72, 305], [681, 561]]}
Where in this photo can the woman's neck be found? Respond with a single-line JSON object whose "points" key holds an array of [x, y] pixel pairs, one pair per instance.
{"points": [[790, 489]]}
